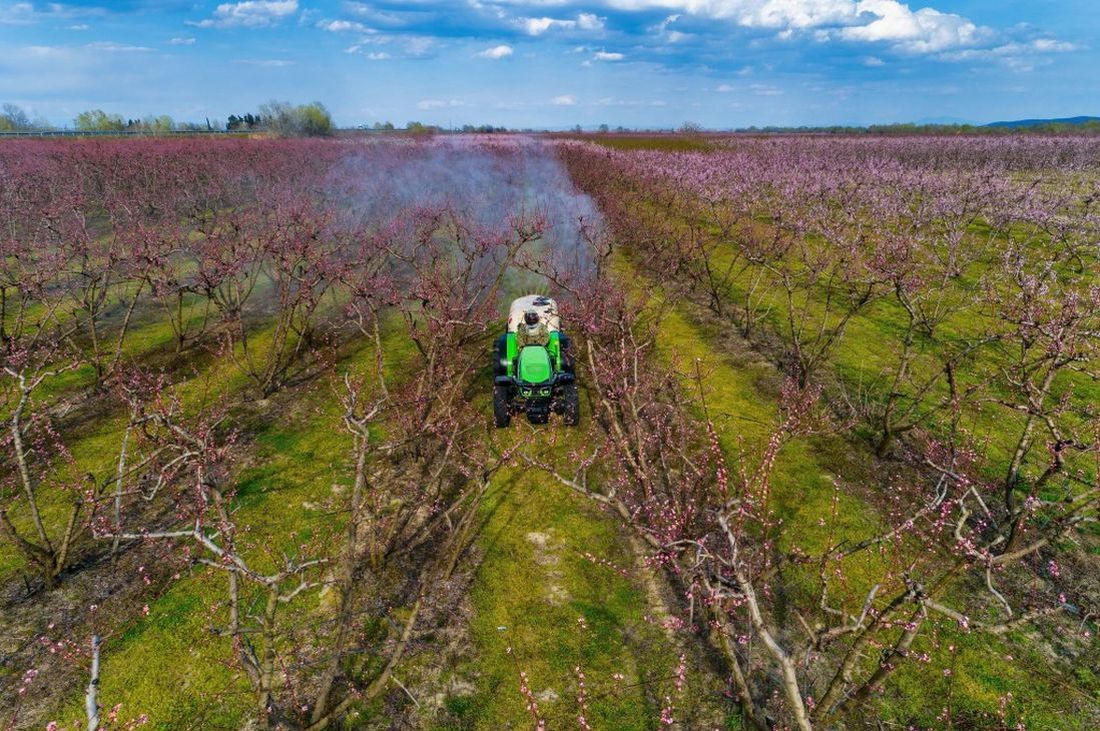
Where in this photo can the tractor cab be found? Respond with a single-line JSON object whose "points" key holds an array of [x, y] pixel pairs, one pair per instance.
{"points": [[535, 378]]}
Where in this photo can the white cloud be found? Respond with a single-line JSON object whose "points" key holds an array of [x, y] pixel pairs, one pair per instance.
{"points": [[584, 21], [181, 41], [672, 36], [925, 30], [606, 56], [42, 52], [249, 14], [78, 26], [724, 88], [378, 56], [873, 62], [765, 90], [1022, 56], [755, 13], [112, 47], [428, 104], [24, 13], [538, 26], [17, 14], [589, 21], [497, 52], [340, 26], [419, 45], [375, 16], [565, 100], [1051, 45]]}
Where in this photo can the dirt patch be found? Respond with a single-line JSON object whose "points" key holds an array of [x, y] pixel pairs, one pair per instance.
{"points": [[547, 552]]}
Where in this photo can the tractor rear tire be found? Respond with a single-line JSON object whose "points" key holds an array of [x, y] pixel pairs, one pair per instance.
{"points": [[502, 414], [571, 413], [567, 363]]}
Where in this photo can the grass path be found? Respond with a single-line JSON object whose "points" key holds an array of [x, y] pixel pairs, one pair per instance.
{"points": [[532, 589], [534, 582]]}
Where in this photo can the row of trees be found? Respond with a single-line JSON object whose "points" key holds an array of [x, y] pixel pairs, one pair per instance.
{"points": [[988, 284], [96, 120], [279, 258], [985, 279], [907, 129], [15, 119], [255, 257], [281, 118]]}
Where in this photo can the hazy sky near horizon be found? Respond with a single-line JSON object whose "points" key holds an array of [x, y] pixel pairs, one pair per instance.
{"points": [[556, 63]]}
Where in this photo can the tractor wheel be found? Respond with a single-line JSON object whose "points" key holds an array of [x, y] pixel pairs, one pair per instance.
{"points": [[500, 353], [571, 413], [567, 363], [502, 415]]}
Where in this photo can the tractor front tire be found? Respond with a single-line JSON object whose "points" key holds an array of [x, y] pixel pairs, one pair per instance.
{"points": [[500, 354], [571, 402], [502, 414]]}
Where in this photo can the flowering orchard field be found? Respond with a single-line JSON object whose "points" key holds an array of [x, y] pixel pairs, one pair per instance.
{"points": [[837, 466], [936, 301]]}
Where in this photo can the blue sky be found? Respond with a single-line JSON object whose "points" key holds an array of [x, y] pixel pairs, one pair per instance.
{"points": [[556, 63]]}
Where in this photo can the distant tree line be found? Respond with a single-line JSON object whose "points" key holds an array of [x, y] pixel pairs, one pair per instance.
{"points": [[285, 120], [97, 120], [277, 117], [15, 119], [281, 118], [244, 122], [483, 129], [1090, 127], [606, 128], [304, 120], [421, 128]]}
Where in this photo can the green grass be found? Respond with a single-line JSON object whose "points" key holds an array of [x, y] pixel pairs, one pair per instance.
{"points": [[741, 396], [168, 665], [985, 673], [533, 584], [94, 446], [865, 366], [146, 339], [532, 587]]}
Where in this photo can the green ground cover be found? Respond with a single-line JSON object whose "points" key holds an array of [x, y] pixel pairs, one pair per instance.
{"points": [[860, 359], [532, 588], [741, 391], [168, 665]]}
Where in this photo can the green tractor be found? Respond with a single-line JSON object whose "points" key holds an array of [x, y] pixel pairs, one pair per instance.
{"points": [[536, 379]]}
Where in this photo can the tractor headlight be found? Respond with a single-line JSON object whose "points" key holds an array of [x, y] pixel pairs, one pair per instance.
{"points": [[545, 392]]}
